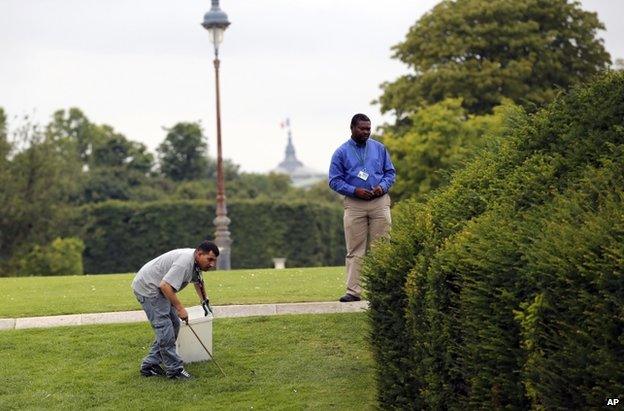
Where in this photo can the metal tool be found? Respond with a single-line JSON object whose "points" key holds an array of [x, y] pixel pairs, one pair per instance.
{"points": [[202, 344], [205, 303]]}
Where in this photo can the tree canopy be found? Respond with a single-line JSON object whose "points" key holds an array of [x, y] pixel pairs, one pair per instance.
{"points": [[485, 51], [184, 153], [49, 172], [5, 146], [442, 138]]}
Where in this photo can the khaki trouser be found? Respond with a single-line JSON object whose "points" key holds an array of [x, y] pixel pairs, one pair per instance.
{"points": [[364, 222]]}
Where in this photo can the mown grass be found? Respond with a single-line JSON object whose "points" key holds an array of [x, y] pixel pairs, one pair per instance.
{"points": [[37, 296], [285, 362]]}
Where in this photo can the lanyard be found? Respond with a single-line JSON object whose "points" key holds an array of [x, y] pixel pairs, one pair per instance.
{"points": [[361, 158]]}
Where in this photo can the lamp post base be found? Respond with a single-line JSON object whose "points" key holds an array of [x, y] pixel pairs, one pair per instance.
{"points": [[223, 241]]}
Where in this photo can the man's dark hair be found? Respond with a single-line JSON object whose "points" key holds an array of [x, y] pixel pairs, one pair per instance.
{"points": [[359, 117], [206, 246]]}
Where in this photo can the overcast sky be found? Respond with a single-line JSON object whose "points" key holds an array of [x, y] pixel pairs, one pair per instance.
{"points": [[141, 65]]}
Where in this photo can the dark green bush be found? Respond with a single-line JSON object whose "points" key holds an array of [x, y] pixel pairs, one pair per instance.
{"points": [[122, 236], [392, 340], [513, 274], [61, 257]]}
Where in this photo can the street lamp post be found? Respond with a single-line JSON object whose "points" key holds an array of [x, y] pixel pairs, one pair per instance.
{"points": [[216, 21]]}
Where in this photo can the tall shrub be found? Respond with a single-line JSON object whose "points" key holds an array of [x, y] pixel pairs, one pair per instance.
{"points": [[515, 292]]}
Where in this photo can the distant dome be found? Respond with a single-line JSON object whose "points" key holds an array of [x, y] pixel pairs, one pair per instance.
{"points": [[300, 175]]}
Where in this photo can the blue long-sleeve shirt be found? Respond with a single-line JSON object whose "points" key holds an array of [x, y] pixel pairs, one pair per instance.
{"points": [[349, 159]]}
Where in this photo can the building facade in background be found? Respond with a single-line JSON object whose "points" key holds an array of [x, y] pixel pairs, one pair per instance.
{"points": [[300, 175]]}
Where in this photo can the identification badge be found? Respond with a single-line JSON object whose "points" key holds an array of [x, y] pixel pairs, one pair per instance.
{"points": [[363, 175]]}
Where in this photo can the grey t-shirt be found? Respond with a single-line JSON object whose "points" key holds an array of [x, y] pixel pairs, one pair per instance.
{"points": [[175, 267]]}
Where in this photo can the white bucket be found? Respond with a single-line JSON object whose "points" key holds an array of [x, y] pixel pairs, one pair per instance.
{"points": [[189, 349]]}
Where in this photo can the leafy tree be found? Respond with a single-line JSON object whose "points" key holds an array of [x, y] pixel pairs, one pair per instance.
{"points": [[183, 153], [6, 193], [485, 51], [34, 196], [112, 165], [72, 131], [5, 146], [96, 145], [442, 138], [115, 150]]}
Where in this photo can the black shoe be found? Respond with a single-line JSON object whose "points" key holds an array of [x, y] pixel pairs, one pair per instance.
{"points": [[152, 370], [181, 375], [349, 298]]}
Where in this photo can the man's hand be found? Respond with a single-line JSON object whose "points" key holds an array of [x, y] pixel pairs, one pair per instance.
{"points": [[378, 191], [363, 193], [182, 313], [206, 306], [169, 293]]}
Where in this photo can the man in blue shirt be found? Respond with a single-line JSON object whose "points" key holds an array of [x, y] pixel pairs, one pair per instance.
{"points": [[361, 170]]}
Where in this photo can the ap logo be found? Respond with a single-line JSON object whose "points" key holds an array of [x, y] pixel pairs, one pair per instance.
{"points": [[613, 401]]}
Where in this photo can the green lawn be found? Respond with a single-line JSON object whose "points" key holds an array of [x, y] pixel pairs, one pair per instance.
{"points": [[36, 296], [284, 362]]}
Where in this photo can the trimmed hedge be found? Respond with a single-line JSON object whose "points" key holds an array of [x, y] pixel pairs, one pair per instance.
{"points": [[122, 236], [506, 289]]}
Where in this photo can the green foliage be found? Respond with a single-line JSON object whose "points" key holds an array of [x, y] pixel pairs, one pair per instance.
{"points": [[486, 51], [118, 183], [183, 155], [73, 131], [96, 146], [122, 236], [391, 337], [505, 287], [37, 182], [61, 257], [107, 164], [255, 186], [115, 150], [5, 146], [246, 186], [572, 326], [442, 138], [47, 174]]}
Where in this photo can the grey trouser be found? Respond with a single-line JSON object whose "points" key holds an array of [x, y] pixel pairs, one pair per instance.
{"points": [[166, 325], [364, 222]]}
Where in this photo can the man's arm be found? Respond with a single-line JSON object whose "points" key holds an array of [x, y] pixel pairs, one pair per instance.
{"points": [[169, 292], [198, 290], [337, 176], [203, 298], [389, 173]]}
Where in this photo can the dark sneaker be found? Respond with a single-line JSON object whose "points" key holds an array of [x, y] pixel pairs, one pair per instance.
{"points": [[181, 375], [348, 298], [152, 370]]}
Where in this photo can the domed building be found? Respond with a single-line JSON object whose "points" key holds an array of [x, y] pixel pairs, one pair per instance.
{"points": [[300, 175]]}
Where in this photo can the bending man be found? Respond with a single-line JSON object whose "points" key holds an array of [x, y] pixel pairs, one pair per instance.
{"points": [[155, 287]]}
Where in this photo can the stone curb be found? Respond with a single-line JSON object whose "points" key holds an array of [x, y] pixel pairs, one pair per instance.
{"points": [[7, 323], [221, 311]]}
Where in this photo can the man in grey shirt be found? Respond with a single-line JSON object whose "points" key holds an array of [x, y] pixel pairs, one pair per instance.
{"points": [[155, 287]]}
